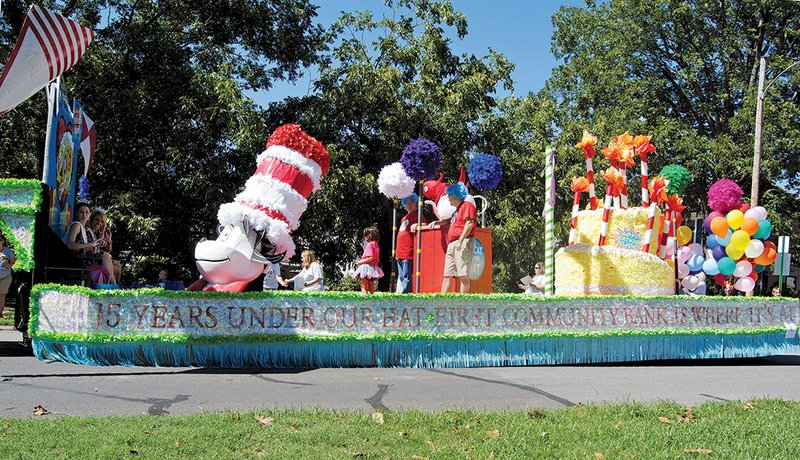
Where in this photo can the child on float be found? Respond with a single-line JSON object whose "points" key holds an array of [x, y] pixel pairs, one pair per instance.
{"points": [[98, 222], [310, 277], [368, 270], [7, 260]]}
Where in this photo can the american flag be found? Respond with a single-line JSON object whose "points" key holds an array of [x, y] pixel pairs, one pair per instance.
{"points": [[48, 45]]}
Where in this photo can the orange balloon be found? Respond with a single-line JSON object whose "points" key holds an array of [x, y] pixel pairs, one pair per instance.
{"points": [[753, 274], [768, 256], [719, 225], [750, 225]]}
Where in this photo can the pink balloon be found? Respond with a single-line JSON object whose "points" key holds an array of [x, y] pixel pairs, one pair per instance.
{"points": [[683, 270], [696, 248], [745, 284], [690, 282], [743, 268], [684, 252]]}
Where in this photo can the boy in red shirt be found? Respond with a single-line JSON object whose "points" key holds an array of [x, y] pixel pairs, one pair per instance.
{"points": [[404, 252], [460, 238]]}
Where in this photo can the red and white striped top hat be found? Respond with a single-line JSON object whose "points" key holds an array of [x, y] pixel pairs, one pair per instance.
{"points": [[276, 195]]}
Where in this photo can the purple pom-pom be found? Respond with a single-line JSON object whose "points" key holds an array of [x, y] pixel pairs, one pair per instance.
{"points": [[421, 159], [724, 195], [83, 189], [485, 171]]}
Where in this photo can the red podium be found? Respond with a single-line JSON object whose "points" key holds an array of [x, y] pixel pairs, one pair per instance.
{"points": [[434, 246]]}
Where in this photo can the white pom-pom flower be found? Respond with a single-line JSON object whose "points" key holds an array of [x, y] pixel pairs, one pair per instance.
{"points": [[394, 182]]}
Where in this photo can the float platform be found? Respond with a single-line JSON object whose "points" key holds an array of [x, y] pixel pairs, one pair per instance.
{"points": [[153, 327]]}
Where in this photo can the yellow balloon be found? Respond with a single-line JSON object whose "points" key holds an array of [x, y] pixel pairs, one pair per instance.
{"points": [[740, 239], [733, 252], [684, 235], [735, 219]]}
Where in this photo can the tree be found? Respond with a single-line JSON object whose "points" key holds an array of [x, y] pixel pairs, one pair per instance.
{"points": [[384, 81], [177, 136], [685, 72]]}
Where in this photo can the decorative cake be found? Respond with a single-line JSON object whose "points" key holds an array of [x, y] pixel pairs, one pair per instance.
{"points": [[614, 249], [584, 269]]}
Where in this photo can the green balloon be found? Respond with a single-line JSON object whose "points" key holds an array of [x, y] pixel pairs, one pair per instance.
{"points": [[764, 229]]}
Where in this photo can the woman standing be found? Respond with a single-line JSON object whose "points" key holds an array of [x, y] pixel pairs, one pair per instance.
{"points": [[310, 277], [7, 260]]}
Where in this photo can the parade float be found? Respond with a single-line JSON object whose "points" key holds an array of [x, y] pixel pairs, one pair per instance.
{"points": [[617, 268], [610, 293]]}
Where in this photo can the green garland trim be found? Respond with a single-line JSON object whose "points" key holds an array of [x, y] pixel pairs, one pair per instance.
{"points": [[186, 339], [33, 187], [352, 295]]}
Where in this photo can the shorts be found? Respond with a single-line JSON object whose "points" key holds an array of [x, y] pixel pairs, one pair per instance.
{"points": [[458, 263], [5, 283]]}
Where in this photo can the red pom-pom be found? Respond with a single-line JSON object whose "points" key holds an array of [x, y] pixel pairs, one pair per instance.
{"points": [[293, 137], [743, 206]]}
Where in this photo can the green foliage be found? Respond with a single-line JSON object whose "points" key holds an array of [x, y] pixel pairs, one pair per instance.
{"points": [[686, 73], [176, 135], [384, 81]]}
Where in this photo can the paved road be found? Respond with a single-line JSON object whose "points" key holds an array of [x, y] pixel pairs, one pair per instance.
{"points": [[83, 390]]}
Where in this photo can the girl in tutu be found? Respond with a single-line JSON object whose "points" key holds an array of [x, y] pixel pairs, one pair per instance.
{"points": [[368, 270]]}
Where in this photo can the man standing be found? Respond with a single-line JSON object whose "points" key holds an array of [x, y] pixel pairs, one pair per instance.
{"points": [[460, 238], [404, 249]]}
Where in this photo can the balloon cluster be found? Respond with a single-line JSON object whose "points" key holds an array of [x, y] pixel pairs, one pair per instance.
{"points": [[739, 243]]}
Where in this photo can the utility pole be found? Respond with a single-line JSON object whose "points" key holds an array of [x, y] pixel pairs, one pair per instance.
{"points": [[762, 74]]}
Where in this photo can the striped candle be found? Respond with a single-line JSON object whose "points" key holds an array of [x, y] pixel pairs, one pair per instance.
{"points": [[606, 214], [579, 185], [665, 234], [623, 171], [590, 176], [651, 220], [645, 192], [549, 204]]}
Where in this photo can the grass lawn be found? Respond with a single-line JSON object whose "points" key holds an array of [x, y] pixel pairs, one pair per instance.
{"points": [[766, 429]]}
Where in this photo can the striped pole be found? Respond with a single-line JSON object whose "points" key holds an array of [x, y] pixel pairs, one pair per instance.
{"points": [[392, 287], [606, 215], [651, 220], [573, 223], [617, 204], [590, 176], [623, 170], [419, 240], [549, 203], [665, 234], [645, 192]]}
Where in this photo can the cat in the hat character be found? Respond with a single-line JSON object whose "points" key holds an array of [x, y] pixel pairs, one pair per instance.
{"points": [[434, 190], [255, 228]]}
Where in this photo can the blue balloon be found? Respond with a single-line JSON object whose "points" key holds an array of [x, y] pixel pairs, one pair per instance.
{"points": [[764, 229], [726, 266], [695, 263], [712, 242], [718, 253], [760, 268], [710, 267], [725, 241]]}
